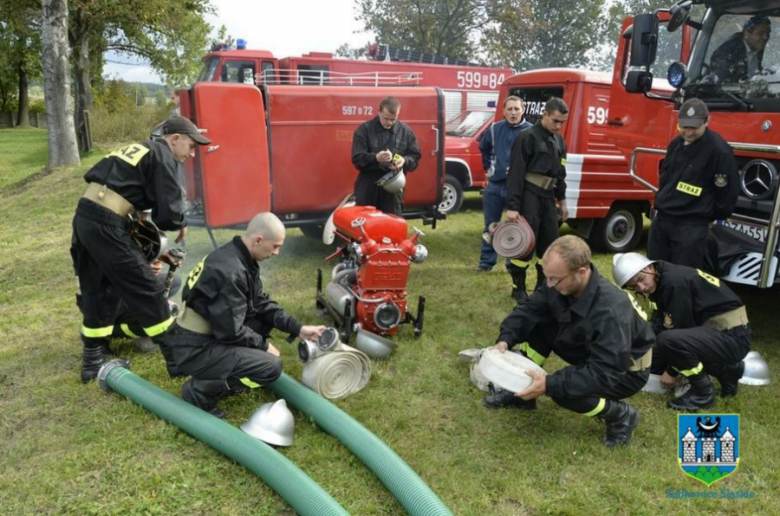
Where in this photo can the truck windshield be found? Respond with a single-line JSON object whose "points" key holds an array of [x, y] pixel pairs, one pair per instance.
{"points": [[208, 69], [468, 123], [738, 62]]}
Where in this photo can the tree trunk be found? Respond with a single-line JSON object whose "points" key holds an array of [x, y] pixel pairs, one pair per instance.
{"points": [[23, 114], [56, 84], [83, 93]]}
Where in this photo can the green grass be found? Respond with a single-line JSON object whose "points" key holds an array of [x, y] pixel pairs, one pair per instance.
{"points": [[67, 448], [24, 152]]}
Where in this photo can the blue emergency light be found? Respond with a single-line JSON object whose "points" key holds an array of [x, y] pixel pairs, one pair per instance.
{"points": [[241, 44]]}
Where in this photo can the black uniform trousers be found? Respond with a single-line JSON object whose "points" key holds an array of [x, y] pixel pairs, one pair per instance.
{"points": [[543, 341], [677, 241], [685, 349], [112, 271], [368, 193], [204, 358], [542, 215]]}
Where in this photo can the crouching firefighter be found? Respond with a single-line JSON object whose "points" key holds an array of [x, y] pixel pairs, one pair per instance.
{"points": [[702, 326], [221, 336], [589, 323], [110, 266]]}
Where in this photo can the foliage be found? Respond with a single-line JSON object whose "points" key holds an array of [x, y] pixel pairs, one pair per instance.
{"points": [[448, 28], [20, 48], [350, 52], [131, 123], [68, 448]]}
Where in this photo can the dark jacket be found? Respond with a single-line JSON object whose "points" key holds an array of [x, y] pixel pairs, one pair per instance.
{"points": [[497, 153], [598, 334], [536, 150], [148, 176], [698, 182], [371, 138], [686, 297], [729, 61], [225, 289]]}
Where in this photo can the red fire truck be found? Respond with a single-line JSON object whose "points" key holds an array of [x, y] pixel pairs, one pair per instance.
{"points": [[287, 149], [466, 85], [665, 58]]}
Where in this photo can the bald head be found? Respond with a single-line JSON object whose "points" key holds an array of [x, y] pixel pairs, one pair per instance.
{"points": [[264, 236]]}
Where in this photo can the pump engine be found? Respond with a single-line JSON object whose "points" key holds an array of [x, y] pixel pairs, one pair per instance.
{"points": [[367, 289]]}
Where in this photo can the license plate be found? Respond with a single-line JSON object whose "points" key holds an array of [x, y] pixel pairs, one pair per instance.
{"points": [[756, 232]]}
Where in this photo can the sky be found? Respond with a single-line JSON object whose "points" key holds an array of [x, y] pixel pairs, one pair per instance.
{"points": [[284, 27]]}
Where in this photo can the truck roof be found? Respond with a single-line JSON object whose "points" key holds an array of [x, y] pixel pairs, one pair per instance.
{"points": [[251, 54], [558, 75]]}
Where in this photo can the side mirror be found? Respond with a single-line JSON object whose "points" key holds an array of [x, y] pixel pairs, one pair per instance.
{"points": [[644, 40], [681, 13], [638, 81]]}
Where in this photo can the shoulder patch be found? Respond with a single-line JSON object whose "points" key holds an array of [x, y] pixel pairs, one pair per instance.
{"points": [[721, 180], [131, 154]]}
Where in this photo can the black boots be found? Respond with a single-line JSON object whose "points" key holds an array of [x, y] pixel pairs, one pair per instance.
{"points": [[205, 394], [92, 358], [700, 396], [518, 283], [501, 398], [729, 377], [620, 419]]}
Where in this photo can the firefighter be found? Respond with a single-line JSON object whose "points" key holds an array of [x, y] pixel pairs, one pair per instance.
{"points": [[380, 146], [537, 178], [110, 266], [592, 325], [701, 325], [698, 184], [495, 147], [221, 336]]}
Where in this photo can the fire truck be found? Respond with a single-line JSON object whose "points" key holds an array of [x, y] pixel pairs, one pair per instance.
{"points": [[287, 149], [466, 85], [669, 56]]}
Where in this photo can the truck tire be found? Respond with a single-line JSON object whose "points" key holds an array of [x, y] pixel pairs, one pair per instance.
{"points": [[451, 196], [313, 230], [620, 231]]}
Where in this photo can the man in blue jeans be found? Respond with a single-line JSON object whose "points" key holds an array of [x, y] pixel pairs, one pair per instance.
{"points": [[496, 147]]}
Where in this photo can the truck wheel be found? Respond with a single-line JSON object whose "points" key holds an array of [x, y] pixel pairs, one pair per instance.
{"points": [[619, 231], [313, 230], [451, 195]]}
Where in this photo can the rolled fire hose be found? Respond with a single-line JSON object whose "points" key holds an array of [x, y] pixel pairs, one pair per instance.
{"points": [[303, 494], [514, 239], [401, 480], [338, 373]]}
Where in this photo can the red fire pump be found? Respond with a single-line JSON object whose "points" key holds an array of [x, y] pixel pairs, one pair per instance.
{"points": [[368, 288]]}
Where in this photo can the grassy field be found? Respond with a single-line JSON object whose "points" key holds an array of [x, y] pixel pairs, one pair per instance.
{"points": [[68, 448]]}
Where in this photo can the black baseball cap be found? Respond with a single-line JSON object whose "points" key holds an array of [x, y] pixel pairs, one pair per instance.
{"points": [[693, 113], [182, 125]]}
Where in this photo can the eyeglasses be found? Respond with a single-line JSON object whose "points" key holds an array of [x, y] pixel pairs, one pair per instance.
{"points": [[554, 282]]}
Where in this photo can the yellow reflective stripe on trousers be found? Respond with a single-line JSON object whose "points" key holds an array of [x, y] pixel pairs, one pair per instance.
{"points": [[532, 354], [691, 372], [127, 331], [521, 263], [157, 329], [96, 333], [596, 411], [249, 383]]}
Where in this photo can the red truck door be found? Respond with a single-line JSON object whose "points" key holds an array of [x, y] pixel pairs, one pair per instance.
{"points": [[234, 169]]}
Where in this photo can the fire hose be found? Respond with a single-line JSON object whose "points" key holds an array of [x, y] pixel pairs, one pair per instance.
{"points": [[513, 239], [337, 373], [175, 258]]}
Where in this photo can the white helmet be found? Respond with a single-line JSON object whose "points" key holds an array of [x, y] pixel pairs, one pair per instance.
{"points": [[272, 423], [756, 370], [393, 182], [627, 265]]}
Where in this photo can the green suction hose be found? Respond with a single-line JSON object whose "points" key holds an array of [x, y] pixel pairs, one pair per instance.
{"points": [[303, 494], [401, 480]]}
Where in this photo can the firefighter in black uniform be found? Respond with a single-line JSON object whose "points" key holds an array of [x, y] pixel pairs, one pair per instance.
{"points": [[702, 326], [592, 325], [537, 178], [110, 266], [698, 183], [381, 145], [221, 336]]}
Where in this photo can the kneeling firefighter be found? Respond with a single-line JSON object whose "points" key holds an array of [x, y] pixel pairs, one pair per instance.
{"points": [[221, 336], [110, 266]]}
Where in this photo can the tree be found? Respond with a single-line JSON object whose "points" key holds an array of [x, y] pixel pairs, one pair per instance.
{"points": [[20, 41], [56, 75], [350, 52], [449, 28]]}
